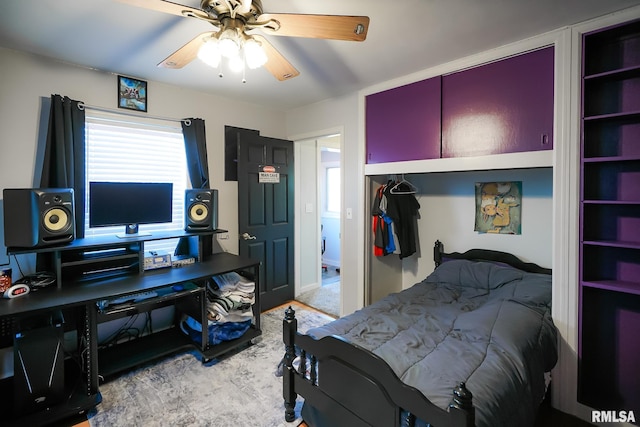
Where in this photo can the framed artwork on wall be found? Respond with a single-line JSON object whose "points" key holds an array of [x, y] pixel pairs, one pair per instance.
{"points": [[132, 94], [498, 207]]}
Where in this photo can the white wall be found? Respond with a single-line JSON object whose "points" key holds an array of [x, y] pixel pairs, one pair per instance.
{"points": [[341, 115], [29, 80], [447, 213], [329, 220], [308, 251]]}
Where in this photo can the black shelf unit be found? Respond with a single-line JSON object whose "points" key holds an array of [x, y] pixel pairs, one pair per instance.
{"points": [[82, 297], [78, 401], [609, 250]]}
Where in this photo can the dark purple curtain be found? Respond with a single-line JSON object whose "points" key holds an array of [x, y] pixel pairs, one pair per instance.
{"points": [[64, 159], [195, 141], [64, 154]]}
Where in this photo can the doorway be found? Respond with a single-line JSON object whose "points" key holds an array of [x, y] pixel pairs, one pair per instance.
{"points": [[318, 226]]}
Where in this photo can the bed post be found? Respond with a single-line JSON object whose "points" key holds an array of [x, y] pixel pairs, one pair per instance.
{"points": [[289, 329], [437, 252], [463, 401]]}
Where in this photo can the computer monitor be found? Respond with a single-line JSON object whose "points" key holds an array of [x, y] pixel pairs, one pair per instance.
{"points": [[129, 204]]}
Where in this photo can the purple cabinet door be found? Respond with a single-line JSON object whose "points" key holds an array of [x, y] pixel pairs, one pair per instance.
{"points": [[501, 107], [403, 123]]}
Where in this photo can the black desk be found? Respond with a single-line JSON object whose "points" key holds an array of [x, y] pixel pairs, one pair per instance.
{"points": [[77, 298]]}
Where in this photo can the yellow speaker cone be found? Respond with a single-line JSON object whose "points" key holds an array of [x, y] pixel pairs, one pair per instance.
{"points": [[56, 219], [198, 212]]}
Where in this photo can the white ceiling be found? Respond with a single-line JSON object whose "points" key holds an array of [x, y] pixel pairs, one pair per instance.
{"points": [[404, 36]]}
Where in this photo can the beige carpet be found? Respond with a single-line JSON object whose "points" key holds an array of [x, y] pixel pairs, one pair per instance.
{"points": [[325, 298], [238, 390]]}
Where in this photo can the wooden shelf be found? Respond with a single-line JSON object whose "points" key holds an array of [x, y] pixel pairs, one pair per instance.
{"points": [[613, 244], [615, 286], [616, 73], [614, 159], [526, 160], [611, 202], [613, 116], [95, 243]]}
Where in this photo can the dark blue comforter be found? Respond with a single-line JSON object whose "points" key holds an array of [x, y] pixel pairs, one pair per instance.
{"points": [[478, 322]]}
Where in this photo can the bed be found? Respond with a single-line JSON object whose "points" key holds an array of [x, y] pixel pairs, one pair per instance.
{"points": [[470, 345]]}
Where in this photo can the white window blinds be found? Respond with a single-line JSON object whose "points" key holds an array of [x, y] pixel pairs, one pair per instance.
{"points": [[127, 149]]}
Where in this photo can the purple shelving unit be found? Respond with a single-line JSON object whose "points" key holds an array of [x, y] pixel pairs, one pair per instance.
{"points": [[609, 316]]}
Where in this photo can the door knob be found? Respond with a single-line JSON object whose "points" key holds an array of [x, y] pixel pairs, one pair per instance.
{"points": [[247, 236]]}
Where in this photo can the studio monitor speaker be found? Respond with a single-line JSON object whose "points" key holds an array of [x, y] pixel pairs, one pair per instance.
{"points": [[38, 359], [201, 209], [35, 217]]}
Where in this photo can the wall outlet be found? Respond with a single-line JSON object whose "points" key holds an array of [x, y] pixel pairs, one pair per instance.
{"points": [[349, 213], [223, 236]]}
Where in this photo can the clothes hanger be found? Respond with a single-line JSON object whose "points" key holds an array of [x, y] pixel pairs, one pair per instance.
{"points": [[396, 188]]}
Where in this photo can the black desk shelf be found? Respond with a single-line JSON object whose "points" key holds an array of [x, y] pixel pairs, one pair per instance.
{"points": [[137, 352], [82, 295]]}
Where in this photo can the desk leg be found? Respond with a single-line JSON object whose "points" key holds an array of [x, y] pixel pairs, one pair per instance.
{"points": [[91, 340], [204, 320]]}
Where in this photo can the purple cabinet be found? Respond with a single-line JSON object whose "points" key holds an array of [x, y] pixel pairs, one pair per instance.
{"points": [[404, 123], [500, 107]]}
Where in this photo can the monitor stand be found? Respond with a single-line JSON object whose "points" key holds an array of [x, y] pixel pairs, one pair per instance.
{"points": [[131, 230]]}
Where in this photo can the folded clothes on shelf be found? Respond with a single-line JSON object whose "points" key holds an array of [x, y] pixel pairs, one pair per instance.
{"points": [[217, 332]]}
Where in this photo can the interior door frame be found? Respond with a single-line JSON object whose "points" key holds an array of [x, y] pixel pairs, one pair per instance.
{"points": [[297, 139]]}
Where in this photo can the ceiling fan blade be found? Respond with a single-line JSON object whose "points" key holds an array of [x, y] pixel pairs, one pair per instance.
{"points": [[335, 27], [276, 63], [168, 7], [186, 53]]}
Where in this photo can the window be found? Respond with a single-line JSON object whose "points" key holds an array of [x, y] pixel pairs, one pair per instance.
{"points": [[333, 190], [136, 150]]}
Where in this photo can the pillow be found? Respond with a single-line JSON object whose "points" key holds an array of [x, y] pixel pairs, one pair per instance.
{"points": [[474, 274]]}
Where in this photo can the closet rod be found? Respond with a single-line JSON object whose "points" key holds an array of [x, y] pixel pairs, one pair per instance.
{"points": [[82, 106]]}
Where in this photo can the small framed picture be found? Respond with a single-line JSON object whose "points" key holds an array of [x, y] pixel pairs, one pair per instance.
{"points": [[132, 94]]}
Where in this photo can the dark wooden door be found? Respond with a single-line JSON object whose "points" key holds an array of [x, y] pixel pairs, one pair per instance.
{"points": [[265, 212]]}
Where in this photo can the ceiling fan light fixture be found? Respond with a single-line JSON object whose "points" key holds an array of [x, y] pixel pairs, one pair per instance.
{"points": [[236, 64], [229, 43], [254, 54], [209, 52]]}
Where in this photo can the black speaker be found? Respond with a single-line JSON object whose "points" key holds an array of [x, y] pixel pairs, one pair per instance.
{"points": [[36, 217], [38, 364], [201, 209]]}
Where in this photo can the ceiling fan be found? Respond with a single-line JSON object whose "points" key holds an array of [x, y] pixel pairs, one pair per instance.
{"points": [[235, 22]]}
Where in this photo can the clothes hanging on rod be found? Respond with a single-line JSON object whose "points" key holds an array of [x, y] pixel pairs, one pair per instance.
{"points": [[382, 225], [395, 213]]}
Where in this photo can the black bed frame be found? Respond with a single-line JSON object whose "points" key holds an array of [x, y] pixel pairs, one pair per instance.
{"points": [[358, 388], [487, 255]]}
